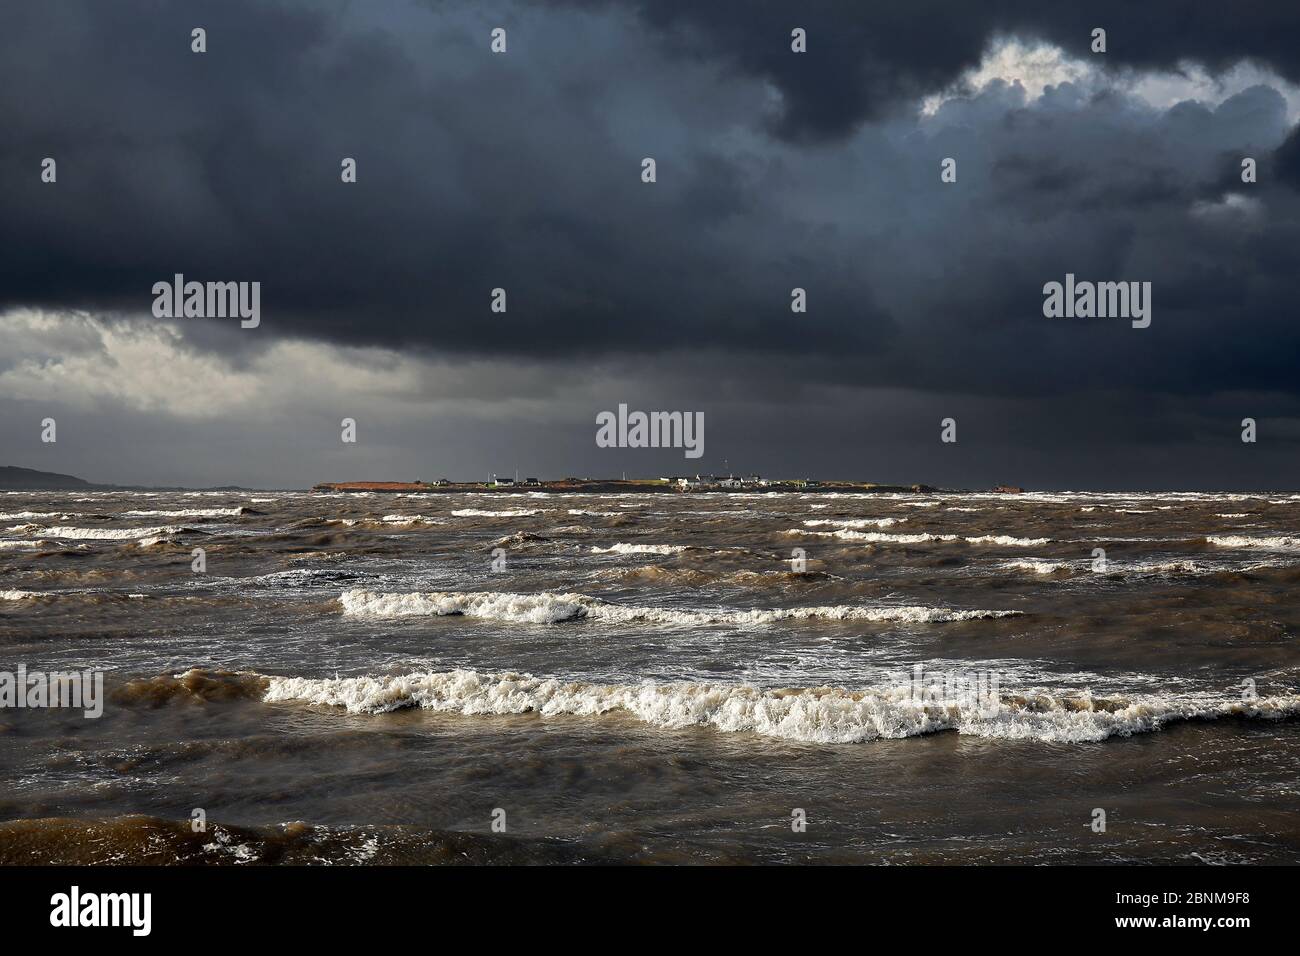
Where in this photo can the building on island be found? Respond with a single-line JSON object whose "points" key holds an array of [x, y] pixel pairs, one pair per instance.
{"points": [[729, 483]]}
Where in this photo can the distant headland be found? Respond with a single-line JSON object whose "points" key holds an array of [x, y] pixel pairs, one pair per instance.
{"points": [[13, 478]]}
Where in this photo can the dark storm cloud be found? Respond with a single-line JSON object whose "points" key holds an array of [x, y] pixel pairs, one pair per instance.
{"points": [[474, 173], [1287, 160], [522, 171], [872, 56]]}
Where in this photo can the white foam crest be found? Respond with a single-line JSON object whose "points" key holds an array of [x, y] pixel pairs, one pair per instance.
{"points": [[41, 515], [1008, 541], [1174, 566], [543, 608], [815, 715], [18, 595], [507, 513], [1270, 543], [1037, 565], [622, 548], [551, 608], [878, 537], [187, 513], [854, 522], [18, 544], [111, 534], [408, 520]]}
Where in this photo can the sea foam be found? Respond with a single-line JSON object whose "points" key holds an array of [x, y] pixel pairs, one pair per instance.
{"points": [[880, 537], [622, 548], [188, 513], [854, 522], [110, 534], [814, 715], [552, 608], [1269, 543]]}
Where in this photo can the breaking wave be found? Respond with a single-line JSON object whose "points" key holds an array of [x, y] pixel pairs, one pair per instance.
{"points": [[1044, 566], [191, 513], [552, 608], [621, 548], [409, 520], [46, 515], [111, 534], [1037, 565], [1008, 540], [816, 715], [855, 522], [1274, 543], [880, 537]]}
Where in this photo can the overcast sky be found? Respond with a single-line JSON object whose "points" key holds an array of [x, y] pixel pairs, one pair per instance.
{"points": [[775, 170]]}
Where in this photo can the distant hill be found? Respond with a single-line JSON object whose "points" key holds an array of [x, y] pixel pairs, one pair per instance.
{"points": [[13, 478]]}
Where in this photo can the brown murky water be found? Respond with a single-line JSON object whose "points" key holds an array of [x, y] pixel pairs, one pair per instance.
{"points": [[930, 678]]}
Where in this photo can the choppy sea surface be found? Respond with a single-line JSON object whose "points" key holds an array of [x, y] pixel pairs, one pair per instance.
{"points": [[875, 678]]}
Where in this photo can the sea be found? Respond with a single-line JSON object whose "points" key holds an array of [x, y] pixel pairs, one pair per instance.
{"points": [[653, 678]]}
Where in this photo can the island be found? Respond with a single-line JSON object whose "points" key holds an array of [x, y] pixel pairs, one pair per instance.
{"points": [[672, 484]]}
